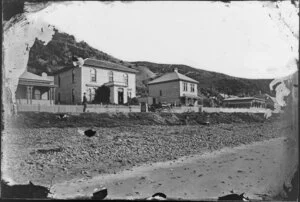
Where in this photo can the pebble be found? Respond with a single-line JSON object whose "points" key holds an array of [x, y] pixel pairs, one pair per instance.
{"points": [[156, 147]]}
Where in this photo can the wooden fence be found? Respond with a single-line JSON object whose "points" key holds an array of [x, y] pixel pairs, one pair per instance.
{"points": [[232, 110]]}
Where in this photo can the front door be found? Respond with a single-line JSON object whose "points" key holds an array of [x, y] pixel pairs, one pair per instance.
{"points": [[154, 101], [120, 96]]}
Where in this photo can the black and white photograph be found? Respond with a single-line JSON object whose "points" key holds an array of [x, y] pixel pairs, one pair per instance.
{"points": [[150, 100]]}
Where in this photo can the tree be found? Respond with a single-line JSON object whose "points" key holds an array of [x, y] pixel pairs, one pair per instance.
{"points": [[133, 101], [102, 95], [206, 102]]}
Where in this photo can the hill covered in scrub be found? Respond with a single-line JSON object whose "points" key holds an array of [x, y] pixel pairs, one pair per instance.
{"points": [[219, 82], [59, 51]]}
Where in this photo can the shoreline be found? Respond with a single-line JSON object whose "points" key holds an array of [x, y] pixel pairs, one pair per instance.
{"points": [[163, 173]]}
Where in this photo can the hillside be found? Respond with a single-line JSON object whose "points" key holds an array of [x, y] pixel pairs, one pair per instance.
{"points": [[59, 51], [212, 80]]}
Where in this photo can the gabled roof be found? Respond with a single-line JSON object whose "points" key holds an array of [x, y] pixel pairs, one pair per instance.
{"points": [[173, 76], [30, 76], [101, 64]]}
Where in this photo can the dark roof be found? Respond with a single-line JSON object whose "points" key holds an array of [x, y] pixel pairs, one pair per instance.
{"points": [[242, 98], [108, 65], [101, 64], [172, 76]]}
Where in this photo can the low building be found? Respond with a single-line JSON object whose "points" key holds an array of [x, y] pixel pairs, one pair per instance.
{"points": [[74, 81], [174, 88], [35, 89], [270, 101], [244, 102]]}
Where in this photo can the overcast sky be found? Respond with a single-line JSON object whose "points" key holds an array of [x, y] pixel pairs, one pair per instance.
{"points": [[238, 39]]}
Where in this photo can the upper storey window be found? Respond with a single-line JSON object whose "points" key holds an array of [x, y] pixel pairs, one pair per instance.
{"points": [[192, 87], [93, 75], [126, 79]]}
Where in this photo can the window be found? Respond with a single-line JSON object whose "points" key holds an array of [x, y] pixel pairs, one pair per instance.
{"points": [[58, 81], [73, 76], [185, 86], [93, 75], [192, 87], [126, 79], [37, 94], [111, 76], [160, 92], [73, 96]]}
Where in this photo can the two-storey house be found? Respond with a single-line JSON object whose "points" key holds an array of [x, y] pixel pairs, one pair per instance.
{"points": [[174, 88], [73, 82]]}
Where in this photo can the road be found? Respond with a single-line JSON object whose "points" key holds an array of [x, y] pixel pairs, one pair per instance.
{"points": [[257, 169]]}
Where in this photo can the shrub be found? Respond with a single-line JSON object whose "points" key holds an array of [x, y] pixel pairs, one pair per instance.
{"points": [[102, 95], [133, 101], [206, 102]]}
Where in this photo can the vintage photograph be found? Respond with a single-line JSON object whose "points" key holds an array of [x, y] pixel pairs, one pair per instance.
{"points": [[150, 100]]}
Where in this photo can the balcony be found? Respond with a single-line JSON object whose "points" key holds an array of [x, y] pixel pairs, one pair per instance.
{"points": [[116, 83]]}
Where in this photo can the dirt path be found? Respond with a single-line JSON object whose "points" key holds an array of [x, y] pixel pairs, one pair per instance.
{"points": [[259, 168]]}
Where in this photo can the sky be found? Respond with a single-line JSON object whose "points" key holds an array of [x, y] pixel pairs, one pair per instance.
{"points": [[242, 39]]}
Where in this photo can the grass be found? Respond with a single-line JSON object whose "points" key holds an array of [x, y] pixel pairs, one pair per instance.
{"points": [[46, 120]]}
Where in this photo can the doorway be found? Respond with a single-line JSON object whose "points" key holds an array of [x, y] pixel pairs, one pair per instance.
{"points": [[120, 96], [154, 101]]}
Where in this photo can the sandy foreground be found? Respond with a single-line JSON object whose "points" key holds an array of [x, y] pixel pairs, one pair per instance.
{"points": [[257, 169], [188, 162]]}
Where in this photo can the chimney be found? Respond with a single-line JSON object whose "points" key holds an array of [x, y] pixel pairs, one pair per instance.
{"points": [[176, 69]]}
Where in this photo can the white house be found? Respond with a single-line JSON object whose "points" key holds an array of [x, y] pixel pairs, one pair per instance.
{"points": [[74, 81]]}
